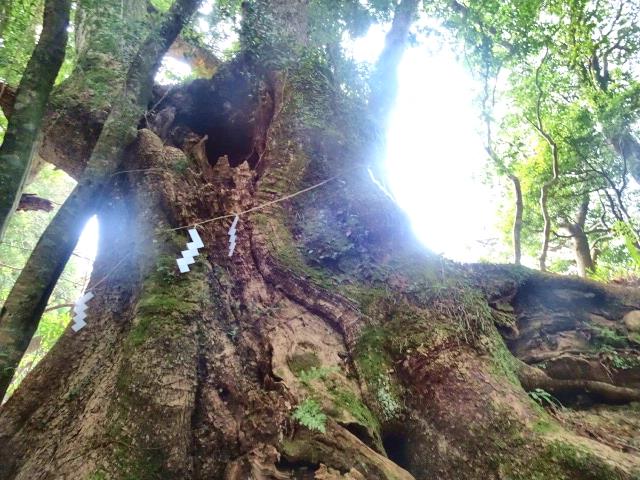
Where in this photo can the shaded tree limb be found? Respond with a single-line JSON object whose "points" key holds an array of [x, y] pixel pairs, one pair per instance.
{"points": [[628, 147], [32, 202], [532, 378], [59, 306], [7, 99], [196, 56], [28, 298], [384, 80], [18, 147], [517, 220]]}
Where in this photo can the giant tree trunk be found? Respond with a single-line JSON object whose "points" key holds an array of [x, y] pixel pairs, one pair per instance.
{"points": [[327, 297]]}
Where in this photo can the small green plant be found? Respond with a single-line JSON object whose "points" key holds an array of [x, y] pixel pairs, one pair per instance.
{"points": [[606, 337], [315, 373], [544, 398], [387, 400], [618, 361], [310, 415], [98, 475], [232, 333], [627, 233]]}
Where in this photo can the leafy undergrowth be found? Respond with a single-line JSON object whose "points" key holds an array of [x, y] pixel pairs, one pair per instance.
{"points": [[310, 415], [22, 234]]}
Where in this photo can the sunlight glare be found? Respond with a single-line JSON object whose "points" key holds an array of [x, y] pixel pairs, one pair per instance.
{"points": [[172, 71], [435, 154], [88, 243]]}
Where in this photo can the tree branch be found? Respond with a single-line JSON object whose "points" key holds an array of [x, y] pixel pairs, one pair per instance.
{"points": [[31, 202], [384, 80], [59, 306], [7, 99], [532, 378], [544, 191], [27, 111]]}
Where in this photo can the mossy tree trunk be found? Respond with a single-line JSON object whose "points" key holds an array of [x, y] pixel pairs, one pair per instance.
{"points": [[28, 107], [328, 311], [29, 295]]}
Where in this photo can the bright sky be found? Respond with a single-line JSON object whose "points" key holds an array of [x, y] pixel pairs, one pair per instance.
{"points": [[88, 243], [435, 155]]}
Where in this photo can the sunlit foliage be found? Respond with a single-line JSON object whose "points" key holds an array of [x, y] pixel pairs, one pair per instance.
{"points": [[21, 236], [561, 73]]}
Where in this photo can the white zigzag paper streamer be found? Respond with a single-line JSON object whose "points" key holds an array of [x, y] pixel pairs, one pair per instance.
{"points": [[232, 236], [190, 252], [79, 311]]}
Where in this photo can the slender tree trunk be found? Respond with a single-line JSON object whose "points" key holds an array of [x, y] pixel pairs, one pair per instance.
{"points": [[582, 250], [20, 140], [555, 168], [384, 80], [28, 298], [108, 35], [517, 221], [546, 230]]}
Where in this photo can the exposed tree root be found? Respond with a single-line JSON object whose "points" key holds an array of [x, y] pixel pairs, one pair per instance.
{"points": [[532, 378]]}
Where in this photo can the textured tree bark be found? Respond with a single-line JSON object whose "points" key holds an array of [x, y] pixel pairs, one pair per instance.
{"points": [[196, 375], [582, 251], [28, 298], [577, 339], [327, 297], [28, 107]]}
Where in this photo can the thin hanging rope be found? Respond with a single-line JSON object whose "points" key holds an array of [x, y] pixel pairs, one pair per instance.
{"points": [[258, 207], [122, 259], [221, 217]]}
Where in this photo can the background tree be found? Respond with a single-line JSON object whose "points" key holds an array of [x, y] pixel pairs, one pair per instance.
{"points": [[577, 113], [19, 140]]}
